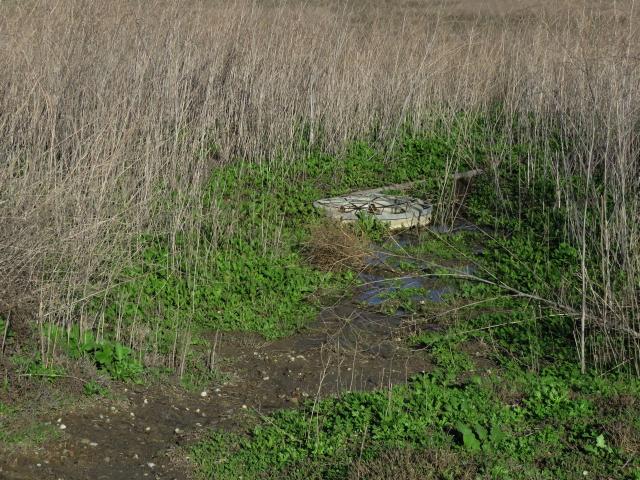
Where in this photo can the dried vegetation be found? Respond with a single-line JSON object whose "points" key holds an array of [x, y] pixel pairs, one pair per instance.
{"points": [[113, 115]]}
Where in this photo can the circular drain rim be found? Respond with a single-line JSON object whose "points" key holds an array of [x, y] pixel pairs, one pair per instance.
{"points": [[385, 208]]}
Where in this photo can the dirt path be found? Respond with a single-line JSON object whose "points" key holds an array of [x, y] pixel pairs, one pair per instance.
{"points": [[136, 437]]}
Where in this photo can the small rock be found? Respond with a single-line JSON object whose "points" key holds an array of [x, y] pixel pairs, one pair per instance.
{"points": [[203, 393], [265, 378], [135, 456], [197, 410], [58, 420], [93, 444], [38, 465], [145, 401], [132, 414], [217, 390], [148, 429], [244, 407], [62, 426], [177, 431], [151, 464]]}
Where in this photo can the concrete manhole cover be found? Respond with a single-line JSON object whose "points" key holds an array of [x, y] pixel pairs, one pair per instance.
{"points": [[395, 211]]}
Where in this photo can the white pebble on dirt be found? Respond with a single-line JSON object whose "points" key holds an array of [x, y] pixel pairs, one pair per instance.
{"points": [[151, 464], [203, 393], [63, 426]]}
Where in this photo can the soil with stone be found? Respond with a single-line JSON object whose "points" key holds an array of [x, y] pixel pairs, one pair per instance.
{"points": [[141, 433], [138, 435]]}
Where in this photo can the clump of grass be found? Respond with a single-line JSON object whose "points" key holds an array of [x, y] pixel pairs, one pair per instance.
{"points": [[336, 247]]}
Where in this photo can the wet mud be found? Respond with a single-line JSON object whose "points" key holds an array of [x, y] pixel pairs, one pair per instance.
{"points": [[138, 434]]}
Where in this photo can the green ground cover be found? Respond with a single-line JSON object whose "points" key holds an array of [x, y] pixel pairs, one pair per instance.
{"points": [[533, 414], [243, 269], [552, 424]]}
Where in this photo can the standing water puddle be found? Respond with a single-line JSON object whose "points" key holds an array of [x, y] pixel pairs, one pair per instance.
{"points": [[381, 280]]}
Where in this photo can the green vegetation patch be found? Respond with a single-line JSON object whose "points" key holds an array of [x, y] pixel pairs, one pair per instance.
{"points": [[242, 268], [532, 414], [549, 432]]}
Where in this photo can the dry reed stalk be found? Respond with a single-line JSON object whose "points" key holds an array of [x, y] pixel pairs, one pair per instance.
{"points": [[106, 107]]}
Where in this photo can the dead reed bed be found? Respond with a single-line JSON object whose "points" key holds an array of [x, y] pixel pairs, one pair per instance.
{"points": [[106, 107]]}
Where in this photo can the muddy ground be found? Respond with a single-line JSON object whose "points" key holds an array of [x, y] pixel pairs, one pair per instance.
{"points": [[137, 432], [346, 348]]}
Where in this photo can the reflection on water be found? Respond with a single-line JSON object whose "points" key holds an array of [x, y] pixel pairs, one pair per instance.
{"points": [[378, 285]]}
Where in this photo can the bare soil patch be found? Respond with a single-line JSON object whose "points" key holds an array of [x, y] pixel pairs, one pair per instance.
{"points": [[136, 436]]}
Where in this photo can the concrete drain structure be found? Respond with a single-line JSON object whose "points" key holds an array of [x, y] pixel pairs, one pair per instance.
{"points": [[397, 212]]}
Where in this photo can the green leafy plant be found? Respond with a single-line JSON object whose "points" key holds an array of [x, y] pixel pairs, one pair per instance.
{"points": [[370, 226], [94, 388], [432, 412], [110, 356]]}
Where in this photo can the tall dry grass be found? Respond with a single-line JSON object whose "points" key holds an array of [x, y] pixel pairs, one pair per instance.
{"points": [[107, 106]]}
